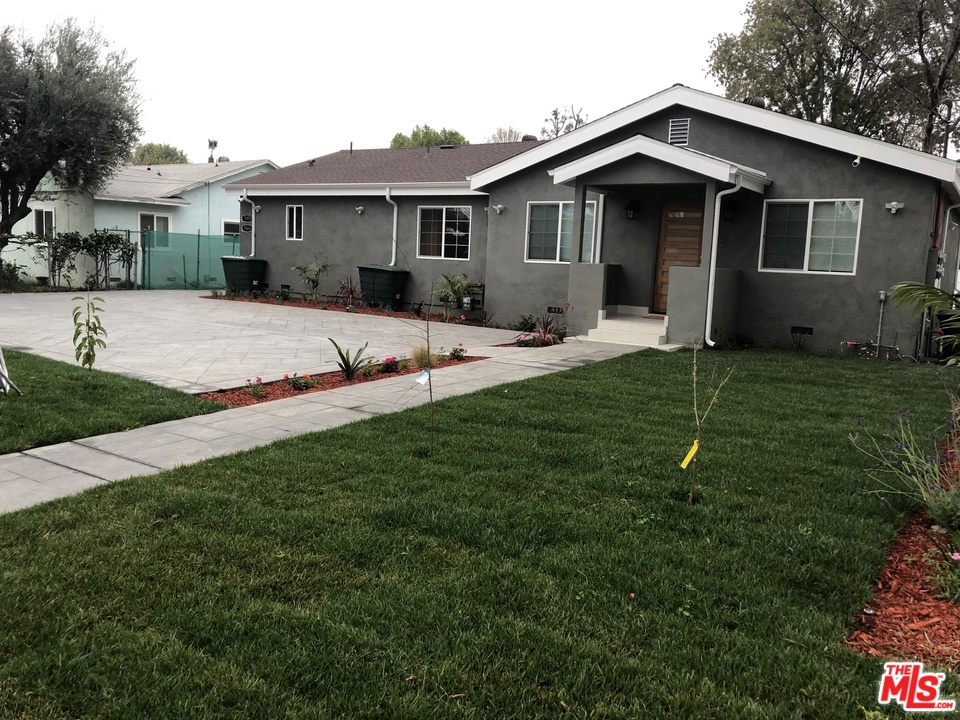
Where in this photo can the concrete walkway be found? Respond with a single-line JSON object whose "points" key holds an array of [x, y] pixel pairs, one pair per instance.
{"points": [[180, 340]]}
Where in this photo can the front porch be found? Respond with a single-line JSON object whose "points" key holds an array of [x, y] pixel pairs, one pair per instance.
{"points": [[630, 325]]}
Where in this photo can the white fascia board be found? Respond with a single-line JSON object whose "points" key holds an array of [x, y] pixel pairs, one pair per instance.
{"points": [[355, 190], [942, 169], [172, 202], [698, 163]]}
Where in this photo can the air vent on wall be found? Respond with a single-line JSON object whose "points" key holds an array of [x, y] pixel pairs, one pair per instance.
{"points": [[679, 131]]}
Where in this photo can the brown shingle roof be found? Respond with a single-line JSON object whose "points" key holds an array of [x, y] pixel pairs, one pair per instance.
{"points": [[389, 166]]}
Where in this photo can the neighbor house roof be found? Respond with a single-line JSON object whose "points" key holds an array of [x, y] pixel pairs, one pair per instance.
{"points": [[166, 184], [406, 171], [856, 145]]}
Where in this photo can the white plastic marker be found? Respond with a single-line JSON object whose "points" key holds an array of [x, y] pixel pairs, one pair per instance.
{"points": [[689, 457], [423, 377]]}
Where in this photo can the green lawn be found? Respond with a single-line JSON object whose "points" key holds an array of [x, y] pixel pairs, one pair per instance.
{"points": [[64, 402], [343, 574]]}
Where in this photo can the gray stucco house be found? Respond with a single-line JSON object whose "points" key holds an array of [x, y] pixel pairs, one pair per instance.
{"points": [[682, 217]]}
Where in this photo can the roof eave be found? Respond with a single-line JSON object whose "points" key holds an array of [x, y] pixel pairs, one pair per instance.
{"points": [[351, 189], [716, 168], [176, 202]]}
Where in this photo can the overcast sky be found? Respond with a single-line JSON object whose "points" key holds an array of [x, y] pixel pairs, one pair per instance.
{"points": [[291, 81]]}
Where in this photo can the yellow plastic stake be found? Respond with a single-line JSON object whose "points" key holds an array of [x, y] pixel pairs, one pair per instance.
{"points": [[689, 457]]}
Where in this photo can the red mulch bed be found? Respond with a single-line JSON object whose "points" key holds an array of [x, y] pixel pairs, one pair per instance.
{"points": [[910, 622], [242, 397]]}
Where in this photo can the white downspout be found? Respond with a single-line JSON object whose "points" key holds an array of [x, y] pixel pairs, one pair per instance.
{"points": [[253, 222], [393, 254], [943, 238], [713, 257]]}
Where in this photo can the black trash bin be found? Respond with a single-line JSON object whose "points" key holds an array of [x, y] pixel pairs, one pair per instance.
{"points": [[382, 284], [244, 274]]}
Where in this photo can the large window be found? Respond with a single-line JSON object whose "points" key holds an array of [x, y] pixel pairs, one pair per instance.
{"points": [[818, 236], [550, 232], [294, 222], [444, 233], [43, 224]]}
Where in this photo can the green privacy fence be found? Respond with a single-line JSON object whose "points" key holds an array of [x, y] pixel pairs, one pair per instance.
{"points": [[185, 261]]}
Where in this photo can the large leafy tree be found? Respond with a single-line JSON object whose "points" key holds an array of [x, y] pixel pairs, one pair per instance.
{"points": [[882, 68], [158, 154], [424, 135], [69, 111]]}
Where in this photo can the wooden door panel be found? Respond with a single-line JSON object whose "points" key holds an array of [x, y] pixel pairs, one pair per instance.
{"points": [[679, 244]]}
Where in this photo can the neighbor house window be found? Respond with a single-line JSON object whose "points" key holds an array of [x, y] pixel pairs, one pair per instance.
{"points": [[230, 230], [294, 222], [444, 232], [550, 232], [810, 236], [155, 230], [43, 224]]}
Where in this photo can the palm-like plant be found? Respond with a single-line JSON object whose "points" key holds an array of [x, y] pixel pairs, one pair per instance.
{"points": [[917, 297]]}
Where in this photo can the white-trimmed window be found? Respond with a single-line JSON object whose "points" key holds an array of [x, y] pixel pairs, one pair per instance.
{"points": [[43, 223], [294, 222], [817, 236], [550, 231], [155, 230], [444, 232]]}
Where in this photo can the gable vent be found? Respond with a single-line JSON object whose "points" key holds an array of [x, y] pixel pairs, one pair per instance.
{"points": [[679, 132]]}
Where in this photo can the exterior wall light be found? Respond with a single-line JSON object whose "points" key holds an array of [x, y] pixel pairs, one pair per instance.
{"points": [[499, 208], [633, 210], [359, 209], [893, 207]]}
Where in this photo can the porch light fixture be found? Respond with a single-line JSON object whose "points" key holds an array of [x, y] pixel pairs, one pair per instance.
{"points": [[729, 211], [359, 209], [893, 207], [499, 208], [633, 210]]}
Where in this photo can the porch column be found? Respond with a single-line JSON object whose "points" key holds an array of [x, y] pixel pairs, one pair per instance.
{"points": [[579, 211]]}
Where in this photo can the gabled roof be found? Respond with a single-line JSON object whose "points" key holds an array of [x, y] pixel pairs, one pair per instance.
{"points": [[693, 160], [857, 146], [406, 171], [165, 184]]}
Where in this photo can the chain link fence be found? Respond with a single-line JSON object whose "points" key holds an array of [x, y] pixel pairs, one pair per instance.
{"points": [[111, 259]]}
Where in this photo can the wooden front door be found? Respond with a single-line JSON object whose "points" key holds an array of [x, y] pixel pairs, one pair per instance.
{"points": [[679, 243]]}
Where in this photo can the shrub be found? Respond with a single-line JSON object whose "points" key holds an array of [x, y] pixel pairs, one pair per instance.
{"points": [[525, 324], [458, 353], [349, 292], [422, 357], [390, 365]]}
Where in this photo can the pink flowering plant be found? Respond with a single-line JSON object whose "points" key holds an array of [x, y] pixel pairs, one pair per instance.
{"points": [[255, 387], [458, 353], [390, 365]]}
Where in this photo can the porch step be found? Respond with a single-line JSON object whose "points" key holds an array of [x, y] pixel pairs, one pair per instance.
{"points": [[631, 329]]}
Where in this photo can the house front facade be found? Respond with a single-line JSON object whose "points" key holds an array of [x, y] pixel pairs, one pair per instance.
{"points": [[685, 217]]}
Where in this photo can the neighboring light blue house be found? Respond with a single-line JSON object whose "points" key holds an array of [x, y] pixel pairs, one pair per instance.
{"points": [[683, 217], [180, 198]]}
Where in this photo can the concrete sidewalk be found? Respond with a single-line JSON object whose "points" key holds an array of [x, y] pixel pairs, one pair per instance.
{"points": [[54, 471]]}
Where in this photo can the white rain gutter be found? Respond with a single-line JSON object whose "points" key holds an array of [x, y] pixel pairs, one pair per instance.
{"points": [[253, 222], [393, 254], [713, 257]]}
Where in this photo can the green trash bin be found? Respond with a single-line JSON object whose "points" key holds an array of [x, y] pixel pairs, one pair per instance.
{"points": [[382, 284], [244, 274]]}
